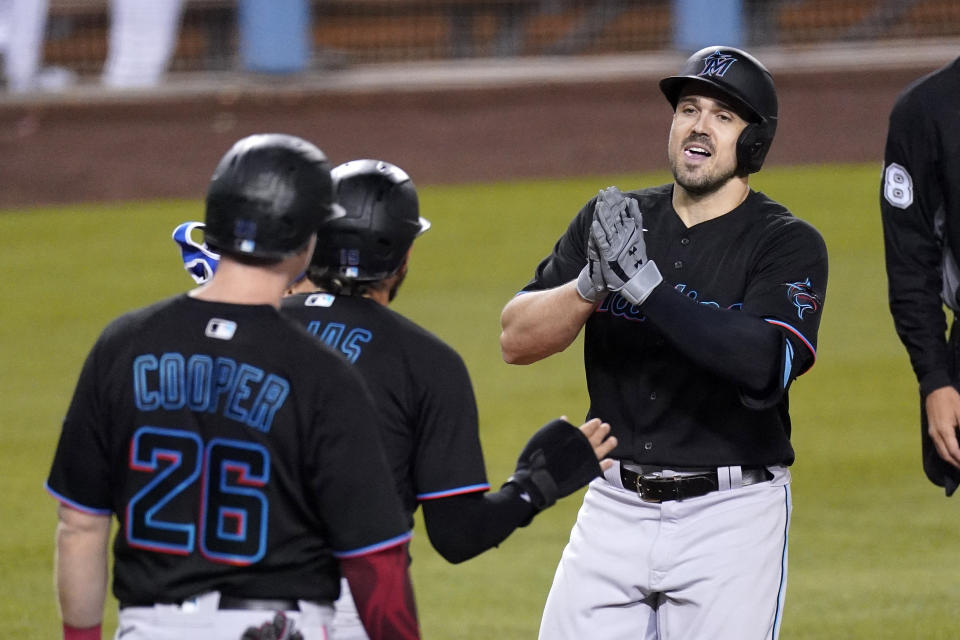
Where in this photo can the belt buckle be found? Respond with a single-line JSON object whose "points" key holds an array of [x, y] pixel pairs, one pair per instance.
{"points": [[638, 485], [645, 491]]}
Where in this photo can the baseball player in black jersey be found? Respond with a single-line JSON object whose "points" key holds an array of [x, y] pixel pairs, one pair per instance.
{"points": [[920, 208], [428, 415], [227, 442], [701, 301]]}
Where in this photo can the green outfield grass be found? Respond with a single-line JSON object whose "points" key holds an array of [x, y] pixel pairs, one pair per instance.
{"points": [[872, 553]]}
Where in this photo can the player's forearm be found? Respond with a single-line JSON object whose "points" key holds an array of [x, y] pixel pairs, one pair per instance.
{"points": [[383, 593], [462, 527], [81, 567], [540, 323], [738, 347]]}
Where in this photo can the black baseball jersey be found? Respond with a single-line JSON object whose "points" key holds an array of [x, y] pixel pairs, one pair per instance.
{"points": [[757, 259], [237, 453], [920, 205], [420, 386]]}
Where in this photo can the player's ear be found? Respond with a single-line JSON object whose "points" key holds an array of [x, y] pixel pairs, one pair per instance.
{"points": [[402, 269]]}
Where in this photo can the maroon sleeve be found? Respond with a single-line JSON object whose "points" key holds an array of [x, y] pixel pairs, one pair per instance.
{"points": [[383, 593]]}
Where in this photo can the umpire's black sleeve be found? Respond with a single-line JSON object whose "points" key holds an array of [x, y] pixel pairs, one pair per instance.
{"points": [[912, 208]]}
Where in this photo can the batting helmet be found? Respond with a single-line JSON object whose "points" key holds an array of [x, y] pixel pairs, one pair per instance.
{"points": [[750, 88], [382, 217], [266, 197]]}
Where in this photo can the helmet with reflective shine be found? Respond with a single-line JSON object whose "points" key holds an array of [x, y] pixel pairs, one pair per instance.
{"points": [[381, 219], [748, 84], [267, 196]]}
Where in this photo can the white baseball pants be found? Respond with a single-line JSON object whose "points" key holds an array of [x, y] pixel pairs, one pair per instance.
{"points": [[706, 568], [346, 621], [200, 619]]}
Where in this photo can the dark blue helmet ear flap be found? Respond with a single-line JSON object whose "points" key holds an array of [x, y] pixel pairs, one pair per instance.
{"points": [[749, 86], [381, 219], [267, 196], [752, 146]]}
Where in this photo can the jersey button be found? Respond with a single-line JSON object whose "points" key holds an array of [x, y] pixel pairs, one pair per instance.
{"points": [[653, 395], [647, 446], [678, 264], [684, 241]]}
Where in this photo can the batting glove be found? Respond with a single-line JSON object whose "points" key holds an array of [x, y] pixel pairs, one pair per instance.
{"points": [[199, 261], [280, 628], [617, 230], [556, 461], [590, 284]]}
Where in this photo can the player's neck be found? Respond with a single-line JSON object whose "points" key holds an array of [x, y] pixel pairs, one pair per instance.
{"points": [[303, 285], [378, 295], [694, 208], [237, 283]]}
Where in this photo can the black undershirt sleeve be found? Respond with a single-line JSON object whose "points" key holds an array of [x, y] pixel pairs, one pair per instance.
{"points": [[734, 345], [464, 526]]}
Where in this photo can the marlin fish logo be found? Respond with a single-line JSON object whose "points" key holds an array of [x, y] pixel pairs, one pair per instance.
{"points": [[803, 296], [717, 64]]}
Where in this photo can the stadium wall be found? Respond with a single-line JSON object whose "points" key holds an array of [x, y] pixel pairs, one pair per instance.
{"points": [[461, 122]]}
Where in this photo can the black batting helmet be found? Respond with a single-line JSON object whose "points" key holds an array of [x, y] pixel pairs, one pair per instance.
{"points": [[381, 219], [267, 195], [750, 87]]}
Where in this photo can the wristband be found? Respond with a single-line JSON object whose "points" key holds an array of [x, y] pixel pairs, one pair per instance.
{"points": [[76, 633], [586, 288], [642, 283]]}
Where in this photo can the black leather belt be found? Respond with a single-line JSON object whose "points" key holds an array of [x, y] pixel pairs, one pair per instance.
{"points": [[654, 487], [257, 604]]}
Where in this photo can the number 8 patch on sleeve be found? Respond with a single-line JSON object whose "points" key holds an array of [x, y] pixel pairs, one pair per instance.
{"points": [[897, 186]]}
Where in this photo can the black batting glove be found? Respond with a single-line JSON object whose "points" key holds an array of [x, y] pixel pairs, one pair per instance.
{"points": [[555, 462], [280, 628]]}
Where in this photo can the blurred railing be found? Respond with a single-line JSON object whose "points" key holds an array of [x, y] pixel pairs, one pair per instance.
{"points": [[347, 32]]}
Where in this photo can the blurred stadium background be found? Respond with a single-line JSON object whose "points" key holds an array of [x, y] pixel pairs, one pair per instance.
{"points": [[455, 90], [381, 31]]}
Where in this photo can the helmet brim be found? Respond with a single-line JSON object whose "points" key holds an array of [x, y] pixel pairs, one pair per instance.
{"points": [[673, 86], [424, 226]]}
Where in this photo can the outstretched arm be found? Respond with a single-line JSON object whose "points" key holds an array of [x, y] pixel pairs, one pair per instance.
{"points": [[556, 462], [462, 527]]}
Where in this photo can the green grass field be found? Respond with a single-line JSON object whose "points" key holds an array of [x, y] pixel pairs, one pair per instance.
{"points": [[871, 554]]}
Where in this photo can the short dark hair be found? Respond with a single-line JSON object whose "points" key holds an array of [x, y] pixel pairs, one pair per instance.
{"points": [[330, 279]]}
